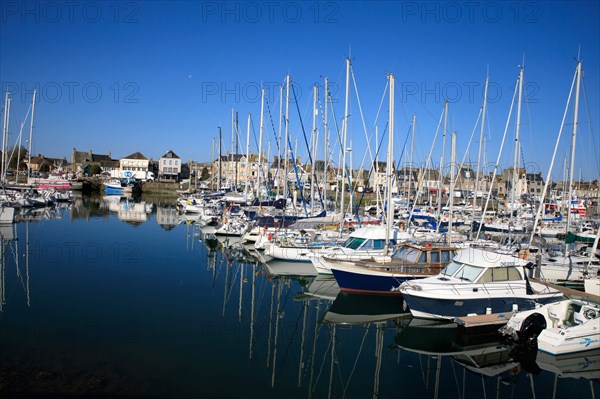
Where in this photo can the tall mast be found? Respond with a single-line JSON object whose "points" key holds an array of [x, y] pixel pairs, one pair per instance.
{"points": [[313, 178], [452, 165], [237, 139], [412, 146], [441, 181], [5, 135], [212, 172], [389, 221], [376, 170], [260, 136], [344, 138], [219, 171], [548, 182], [195, 175], [30, 135], [287, 132], [573, 141], [268, 165], [247, 182], [326, 137], [481, 135], [279, 139], [517, 132], [231, 167]]}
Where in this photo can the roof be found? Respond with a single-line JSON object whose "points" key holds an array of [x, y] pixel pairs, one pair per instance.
{"points": [[170, 154], [136, 155], [42, 159], [486, 258], [100, 158], [374, 233], [37, 160], [87, 156], [228, 157]]}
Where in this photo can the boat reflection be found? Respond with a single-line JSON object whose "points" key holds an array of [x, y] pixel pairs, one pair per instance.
{"points": [[363, 309], [322, 287], [497, 364], [12, 253], [578, 366], [586, 366], [127, 209]]}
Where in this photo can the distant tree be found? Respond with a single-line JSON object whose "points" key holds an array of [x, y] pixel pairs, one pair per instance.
{"points": [[204, 175], [95, 169]]}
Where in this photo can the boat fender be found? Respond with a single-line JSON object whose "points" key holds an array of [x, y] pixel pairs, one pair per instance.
{"points": [[269, 236]]}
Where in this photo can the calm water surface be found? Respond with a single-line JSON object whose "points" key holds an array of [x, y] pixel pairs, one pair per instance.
{"points": [[116, 297]]}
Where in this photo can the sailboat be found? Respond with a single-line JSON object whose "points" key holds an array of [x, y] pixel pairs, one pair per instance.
{"points": [[569, 267]]}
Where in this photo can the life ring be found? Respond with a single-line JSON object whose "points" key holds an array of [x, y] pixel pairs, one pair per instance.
{"points": [[590, 314], [524, 254]]}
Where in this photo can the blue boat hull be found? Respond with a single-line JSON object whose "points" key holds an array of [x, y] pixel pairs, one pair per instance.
{"points": [[368, 284], [110, 190], [451, 308]]}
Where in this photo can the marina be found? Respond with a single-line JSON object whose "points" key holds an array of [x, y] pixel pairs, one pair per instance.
{"points": [[300, 199], [82, 318]]}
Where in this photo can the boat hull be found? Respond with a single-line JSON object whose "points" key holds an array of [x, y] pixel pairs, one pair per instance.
{"points": [[451, 308], [578, 339], [113, 191], [353, 279]]}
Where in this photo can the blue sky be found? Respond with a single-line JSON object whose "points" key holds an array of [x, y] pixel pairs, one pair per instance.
{"points": [[152, 76]]}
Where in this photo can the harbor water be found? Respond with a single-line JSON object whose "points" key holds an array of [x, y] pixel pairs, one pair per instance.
{"points": [[123, 297]]}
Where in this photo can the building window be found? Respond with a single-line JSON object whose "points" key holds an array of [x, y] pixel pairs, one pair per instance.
{"points": [[176, 162], [164, 161]]}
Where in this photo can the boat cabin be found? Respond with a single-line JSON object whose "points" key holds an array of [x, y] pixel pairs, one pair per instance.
{"points": [[370, 238], [425, 253], [477, 269]]}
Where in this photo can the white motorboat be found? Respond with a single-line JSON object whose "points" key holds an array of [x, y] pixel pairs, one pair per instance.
{"points": [[565, 327], [299, 246], [476, 282], [362, 243], [568, 270]]}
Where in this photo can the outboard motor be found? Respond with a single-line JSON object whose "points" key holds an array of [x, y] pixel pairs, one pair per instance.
{"points": [[532, 327]]}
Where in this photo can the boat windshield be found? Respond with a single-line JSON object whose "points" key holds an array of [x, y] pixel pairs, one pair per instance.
{"points": [[400, 253], [354, 242], [410, 255], [451, 268], [469, 273]]}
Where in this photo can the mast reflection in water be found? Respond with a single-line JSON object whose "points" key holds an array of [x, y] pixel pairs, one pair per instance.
{"points": [[99, 299]]}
